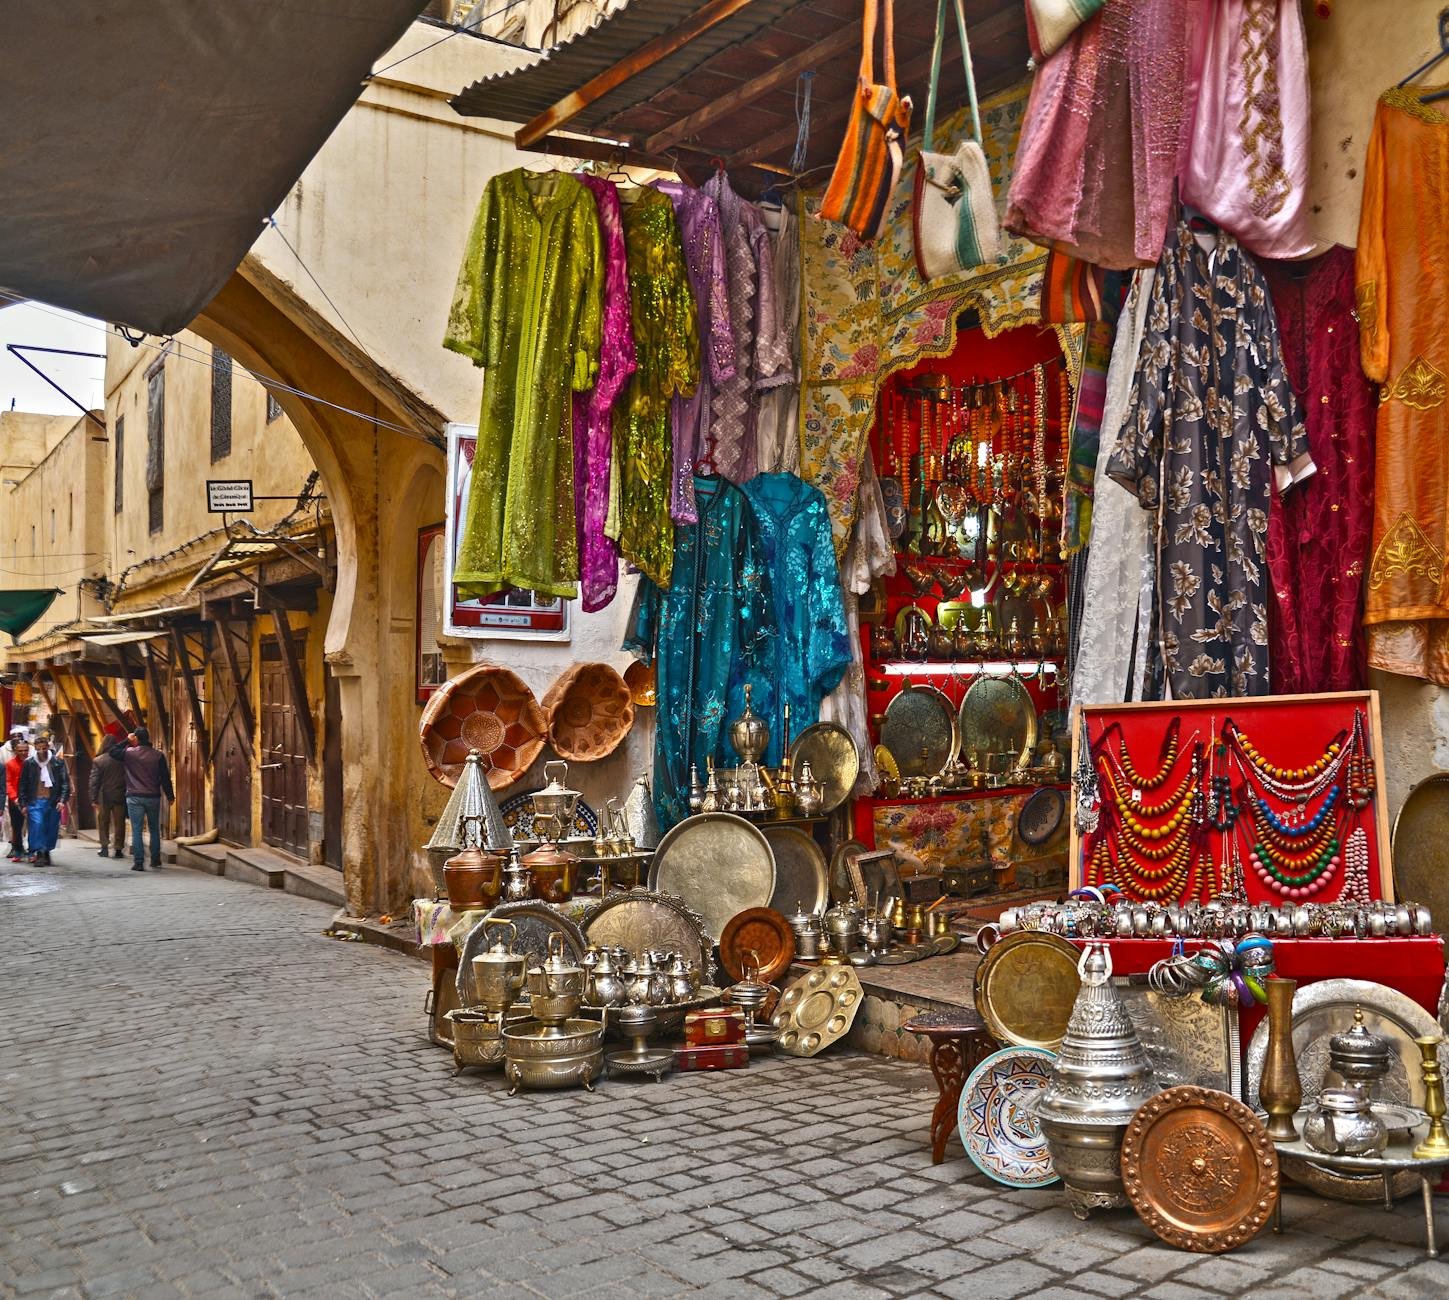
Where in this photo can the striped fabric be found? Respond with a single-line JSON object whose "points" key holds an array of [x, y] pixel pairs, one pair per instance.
{"points": [[1071, 290]]}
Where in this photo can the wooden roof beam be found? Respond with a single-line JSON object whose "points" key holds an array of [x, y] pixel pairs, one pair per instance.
{"points": [[847, 38], [645, 57]]}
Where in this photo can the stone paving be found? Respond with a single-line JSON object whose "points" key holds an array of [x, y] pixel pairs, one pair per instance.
{"points": [[201, 1095]]}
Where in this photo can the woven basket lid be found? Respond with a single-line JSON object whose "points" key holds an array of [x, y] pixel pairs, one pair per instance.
{"points": [[488, 708], [589, 712]]}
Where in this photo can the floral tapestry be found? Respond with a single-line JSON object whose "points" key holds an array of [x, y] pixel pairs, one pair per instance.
{"points": [[945, 834]]}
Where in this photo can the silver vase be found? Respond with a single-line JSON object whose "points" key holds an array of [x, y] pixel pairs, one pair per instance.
{"points": [[639, 815], [1100, 1078]]}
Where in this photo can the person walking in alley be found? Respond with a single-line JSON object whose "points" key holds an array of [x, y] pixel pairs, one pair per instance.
{"points": [[14, 765], [108, 794], [148, 777], [44, 787]]}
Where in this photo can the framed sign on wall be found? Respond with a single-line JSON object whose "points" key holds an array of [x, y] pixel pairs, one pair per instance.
{"points": [[513, 614]]}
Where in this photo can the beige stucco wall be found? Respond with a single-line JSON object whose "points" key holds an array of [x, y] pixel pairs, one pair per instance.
{"points": [[1353, 57], [52, 531]]}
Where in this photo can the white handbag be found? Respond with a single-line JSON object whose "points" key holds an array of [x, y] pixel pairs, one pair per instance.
{"points": [[953, 210]]}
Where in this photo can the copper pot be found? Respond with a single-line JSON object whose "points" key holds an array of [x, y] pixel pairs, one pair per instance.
{"points": [[474, 879], [553, 873]]}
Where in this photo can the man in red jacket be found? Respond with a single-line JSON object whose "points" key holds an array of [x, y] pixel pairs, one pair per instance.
{"points": [[19, 752]]}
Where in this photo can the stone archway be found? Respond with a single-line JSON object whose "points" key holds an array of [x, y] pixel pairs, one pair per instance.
{"points": [[272, 332]]}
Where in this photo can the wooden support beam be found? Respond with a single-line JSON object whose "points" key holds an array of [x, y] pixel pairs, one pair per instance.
{"points": [[561, 146], [158, 713], [87, 692], [296, 680], [99, 683], [646, 56], [784, 72], [193, 698], [129, 672], [241, 693], [75, 736], [49, 696]]}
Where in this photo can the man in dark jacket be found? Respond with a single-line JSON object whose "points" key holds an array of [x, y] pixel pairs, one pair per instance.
{"points": [[148, 777], [108, 794], [44, 786]]}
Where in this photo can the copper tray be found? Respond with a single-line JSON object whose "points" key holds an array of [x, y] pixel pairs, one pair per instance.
{"points": [[1200, 1169], [533, 924], [919, 730], [1420, 845], [801, 874], [833, 758], [1026, 986], [637, 919], [761, 933], [639, 678], [488, 708], [718, 863]]}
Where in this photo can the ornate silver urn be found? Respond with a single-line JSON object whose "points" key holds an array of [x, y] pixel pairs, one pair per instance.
{"points": [[1100, 1078]]}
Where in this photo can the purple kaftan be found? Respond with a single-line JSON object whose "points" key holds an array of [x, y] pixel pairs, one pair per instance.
{"points": [[762, 350], [593, 426], [704, 256]]}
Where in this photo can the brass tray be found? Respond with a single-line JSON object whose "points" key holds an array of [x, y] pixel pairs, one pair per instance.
{"points": [[1326, 1008], [997, 716], [1025, 988], [885, 761], [719, 864], [1420, 845], [533, 924], [817, 1010], [919, 730], [801, 873], [637, 919], [1200, 1169], [833, 758]]}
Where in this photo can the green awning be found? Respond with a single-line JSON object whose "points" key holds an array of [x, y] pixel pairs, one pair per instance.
{"points": [[19, 609]]}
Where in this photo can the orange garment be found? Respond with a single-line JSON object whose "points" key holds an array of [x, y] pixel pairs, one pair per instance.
{"points": [[1402, 279]]}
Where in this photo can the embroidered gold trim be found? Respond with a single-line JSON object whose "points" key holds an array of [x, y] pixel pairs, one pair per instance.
{"points": [[1420, 384], [1409, 99], [1263, 138], [1405, 552], [1366, 298]]}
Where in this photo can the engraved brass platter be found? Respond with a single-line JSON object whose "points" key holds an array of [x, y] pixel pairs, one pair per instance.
{"points": [[997, 716], [1025, 988], [919, 729], [534, 923], [719, 864], [637, 919], [817, 1010], [800, 871], [1200, 1169], [833, 758], [1421, 846]]}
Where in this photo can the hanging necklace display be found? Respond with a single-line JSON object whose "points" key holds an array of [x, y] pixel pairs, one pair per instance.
{"points": [[1084, 782]]}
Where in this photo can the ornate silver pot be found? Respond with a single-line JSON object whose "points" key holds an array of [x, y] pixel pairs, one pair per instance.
{"points": [[1343, 1125]]}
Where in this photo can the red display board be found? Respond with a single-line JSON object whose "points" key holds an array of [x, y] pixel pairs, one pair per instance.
{"points": [[1276, 799]]}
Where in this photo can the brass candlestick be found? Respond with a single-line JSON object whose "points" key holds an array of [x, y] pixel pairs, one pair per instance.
{"points": [[1280, 1091], [1436, 1141]]}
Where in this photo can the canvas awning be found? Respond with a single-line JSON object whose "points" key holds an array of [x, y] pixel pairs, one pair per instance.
{"points": [[144, 143], [20, 609]]}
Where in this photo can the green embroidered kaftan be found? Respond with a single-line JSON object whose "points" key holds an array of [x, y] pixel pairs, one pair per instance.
{"points": [[527, 308]]}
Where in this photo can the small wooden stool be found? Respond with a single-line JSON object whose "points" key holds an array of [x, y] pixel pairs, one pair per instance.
{"points": [[959, 1043]]}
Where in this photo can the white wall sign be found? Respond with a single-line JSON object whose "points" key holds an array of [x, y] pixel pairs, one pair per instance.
{"points": [[229, 496]]}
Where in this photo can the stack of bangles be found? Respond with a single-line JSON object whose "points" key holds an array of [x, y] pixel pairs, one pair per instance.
{"points": [[1224, 971]]}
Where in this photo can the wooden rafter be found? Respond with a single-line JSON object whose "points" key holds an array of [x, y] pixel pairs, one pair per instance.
{"points": [[646, 56], [50, 699], [75, 735], [241, 700], [193, 697], [296, 679], [158, 699], [784, 72], [87, 692], [129, 672], [99, 684]]}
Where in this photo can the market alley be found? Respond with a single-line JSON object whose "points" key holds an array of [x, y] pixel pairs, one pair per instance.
{"points": [[203, 1095]]}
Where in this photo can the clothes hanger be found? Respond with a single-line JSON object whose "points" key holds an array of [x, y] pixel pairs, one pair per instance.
{"points": [[1438, 58]]}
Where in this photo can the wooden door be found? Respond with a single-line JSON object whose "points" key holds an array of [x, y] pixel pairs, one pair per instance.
{"points": [[332, 776], [188, 764], [232, 785], [284, 758]]}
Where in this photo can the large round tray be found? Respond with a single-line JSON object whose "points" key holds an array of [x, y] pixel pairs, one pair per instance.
{"points": [[997, 716], [719, 864], [919, 729], [1026, 987], [1326, 1008], [801, 874], [1421, 846], [997, 1122], [533, 923], [833, 758], [637, 919], [589, 712], [763, 933], [488, 708], [1200, 1169]]}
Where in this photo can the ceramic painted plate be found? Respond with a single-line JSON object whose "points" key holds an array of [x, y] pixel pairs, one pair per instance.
{"points": [[833, 758], [1026, 986], [718, 863], [517, 813], [997, 1119], [800, 870]]}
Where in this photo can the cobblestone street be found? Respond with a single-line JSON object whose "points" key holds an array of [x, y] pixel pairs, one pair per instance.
{"points": [[204, 1096]]}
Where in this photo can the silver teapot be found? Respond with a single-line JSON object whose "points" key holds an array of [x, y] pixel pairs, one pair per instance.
{"points": [[683, 980], [646, 984], [605, 986], [1344, 1125]]}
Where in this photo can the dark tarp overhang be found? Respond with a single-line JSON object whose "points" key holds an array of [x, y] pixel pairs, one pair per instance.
{"points": [[20, 609], [144, 143]]}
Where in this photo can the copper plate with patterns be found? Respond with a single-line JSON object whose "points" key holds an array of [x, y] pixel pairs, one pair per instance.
{"points": [[488, 708], [760, 938], [1200, 1169], [1026, 986]]}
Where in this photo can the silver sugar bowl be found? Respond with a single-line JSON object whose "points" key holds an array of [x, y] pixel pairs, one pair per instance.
{"points": [[1359, 1056]]}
